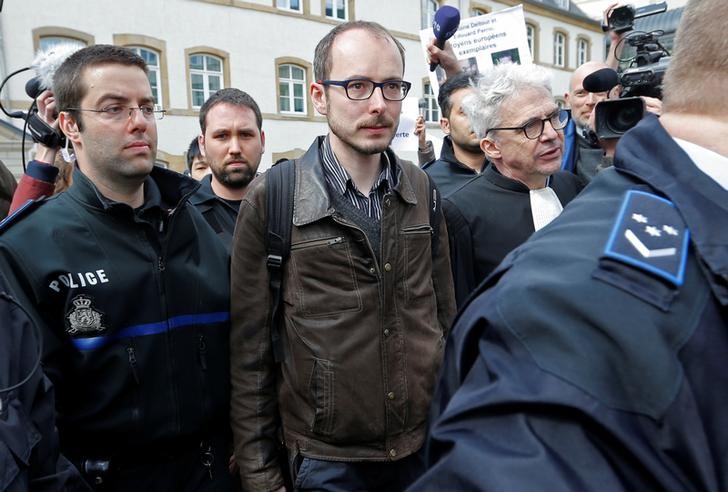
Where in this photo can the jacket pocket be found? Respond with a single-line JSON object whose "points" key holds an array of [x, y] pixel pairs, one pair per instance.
{"points": [[321, 387], [323, 274], [417, 262]]}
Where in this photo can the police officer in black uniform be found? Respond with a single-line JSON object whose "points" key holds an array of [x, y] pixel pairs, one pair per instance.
{"points": [[130, 292], [29, 455], [594, 358]]}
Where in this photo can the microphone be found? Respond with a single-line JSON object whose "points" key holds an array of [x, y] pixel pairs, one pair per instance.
{"points": [[45, 65], [601, 81], [444, 25]]}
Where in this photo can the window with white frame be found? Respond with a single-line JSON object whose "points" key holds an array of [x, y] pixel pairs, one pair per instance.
{"points": [[290, 5], [559, 49], [337, 9], [206, 76], [291, 89], [45, 43], [154, 74], [582, 52], [429, 7], [531, 36], [432, 111]]}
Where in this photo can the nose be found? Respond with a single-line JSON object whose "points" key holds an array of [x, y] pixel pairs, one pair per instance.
{"points": [[377, 102], [235, 147], [591, 99], [137, 119], [548, 132]]}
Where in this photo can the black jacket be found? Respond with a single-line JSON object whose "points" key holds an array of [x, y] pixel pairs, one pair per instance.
{"points": [[447, 172], [220, 214], [487, 218], [597, 362], [29, 455], [133, 306]]}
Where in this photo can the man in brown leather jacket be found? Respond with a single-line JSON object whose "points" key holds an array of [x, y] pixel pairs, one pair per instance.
{"points": [[366, 304]]}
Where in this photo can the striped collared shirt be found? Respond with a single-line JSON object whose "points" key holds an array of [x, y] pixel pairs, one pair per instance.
{"points": [[340, 181]]}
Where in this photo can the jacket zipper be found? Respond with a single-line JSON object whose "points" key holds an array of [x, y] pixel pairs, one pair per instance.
{"points": [[317, 242], [202, 348]]}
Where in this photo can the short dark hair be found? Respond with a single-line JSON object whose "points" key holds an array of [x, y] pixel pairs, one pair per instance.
{"points": [[233, 96], [322, 55], [193, 152], [463, 80], [68, 86]]}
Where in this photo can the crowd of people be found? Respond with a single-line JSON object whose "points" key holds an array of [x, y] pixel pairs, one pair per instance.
{"points": [[531, 309]]}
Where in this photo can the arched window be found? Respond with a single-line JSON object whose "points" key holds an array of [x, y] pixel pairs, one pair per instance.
{"points": [[559, 49], [337, 9], [429, 7], [155, 72], [582, 51], [432, 111], [292, 89], [206, 76]]}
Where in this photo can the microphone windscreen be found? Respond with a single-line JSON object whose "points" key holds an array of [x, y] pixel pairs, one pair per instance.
{"points": [[46, 62], [445, 22], [601, 81]]}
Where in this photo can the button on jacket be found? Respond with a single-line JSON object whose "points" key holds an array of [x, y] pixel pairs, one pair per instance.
{"points": [[362, 336]]}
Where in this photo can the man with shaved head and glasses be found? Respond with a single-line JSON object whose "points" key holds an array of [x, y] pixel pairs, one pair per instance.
{"points": [[130, 291], [521, 132], [366, 292]]}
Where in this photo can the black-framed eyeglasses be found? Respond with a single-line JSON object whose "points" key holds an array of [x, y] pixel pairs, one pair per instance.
{"points": [[362, 89], [118, 113], [533, 129]]}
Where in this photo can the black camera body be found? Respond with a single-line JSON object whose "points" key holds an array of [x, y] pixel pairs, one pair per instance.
{"points": [[612, 118], [622, 19]]}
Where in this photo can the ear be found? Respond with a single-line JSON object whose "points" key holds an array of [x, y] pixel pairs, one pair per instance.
{"points": [[69, 126], [201, 144], [318, 96], [445, 125], [491, 148], [566, 98], [262, 142]]}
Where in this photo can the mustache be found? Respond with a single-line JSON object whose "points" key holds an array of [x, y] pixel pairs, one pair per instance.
{"points": [[378, 121]]}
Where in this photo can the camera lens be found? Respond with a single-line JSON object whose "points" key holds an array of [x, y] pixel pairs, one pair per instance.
{"points": [[624, 119]]}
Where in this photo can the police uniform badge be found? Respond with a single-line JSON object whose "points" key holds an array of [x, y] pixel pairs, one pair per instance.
{"points": [[83, 319], [650, 234]]}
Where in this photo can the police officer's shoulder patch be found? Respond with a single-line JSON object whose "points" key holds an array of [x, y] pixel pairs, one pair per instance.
{"points": [[650, 234], [19, 213]]}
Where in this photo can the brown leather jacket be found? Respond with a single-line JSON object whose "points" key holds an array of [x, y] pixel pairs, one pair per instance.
{"points": [[363, 338]]}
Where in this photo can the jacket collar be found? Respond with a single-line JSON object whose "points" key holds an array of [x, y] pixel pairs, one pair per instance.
{"points": [[162, 188], [700, 200], [206, 198], [447, 154], [311, 197]]}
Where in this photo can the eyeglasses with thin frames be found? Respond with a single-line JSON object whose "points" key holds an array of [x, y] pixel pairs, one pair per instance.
{"points": [[533, 129], [362, 89], [120, 113]]}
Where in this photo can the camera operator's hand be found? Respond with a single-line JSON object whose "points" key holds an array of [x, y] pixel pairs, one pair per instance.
{"points": [[445, 57], [47, 111], [616, 40], [653, 105]]}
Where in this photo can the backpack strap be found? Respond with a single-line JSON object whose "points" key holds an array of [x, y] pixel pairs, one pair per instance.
{"points": [[279, 185]]}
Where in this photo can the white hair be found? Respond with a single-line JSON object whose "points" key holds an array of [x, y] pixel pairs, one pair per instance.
{"points": [[496, 87]]}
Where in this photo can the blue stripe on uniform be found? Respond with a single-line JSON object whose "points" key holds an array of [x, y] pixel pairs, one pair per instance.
{"points": [[151, 329]]}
